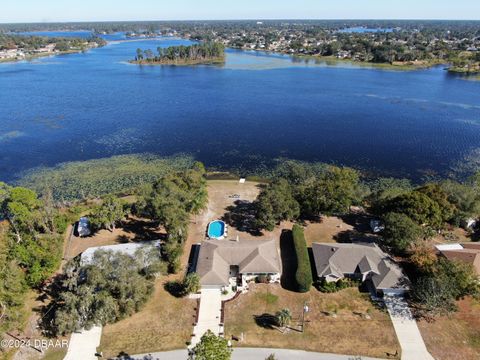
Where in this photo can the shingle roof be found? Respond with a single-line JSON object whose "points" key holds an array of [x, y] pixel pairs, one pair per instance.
{"points": [[390, 276], [366, 265], [253, 256], [474, 246], [339, 259], [468, 255]]}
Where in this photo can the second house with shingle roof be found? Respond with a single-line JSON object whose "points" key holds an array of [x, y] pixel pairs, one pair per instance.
{"points": [[364, 262]]}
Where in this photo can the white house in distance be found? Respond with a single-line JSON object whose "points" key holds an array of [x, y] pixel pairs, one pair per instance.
{"points": [[365, 262], [227, 263]]}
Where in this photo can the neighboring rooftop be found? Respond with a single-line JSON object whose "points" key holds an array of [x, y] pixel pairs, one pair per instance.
{"points": [[443, 247], [251, 256], [336, 260], [467, 252], [127, 249]]}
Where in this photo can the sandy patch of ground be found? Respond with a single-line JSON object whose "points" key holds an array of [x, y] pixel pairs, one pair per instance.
{"points": [[327, 231]]}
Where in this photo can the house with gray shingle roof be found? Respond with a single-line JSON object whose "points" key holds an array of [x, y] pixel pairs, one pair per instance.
{"points": [[224, 263], [365, 262]]}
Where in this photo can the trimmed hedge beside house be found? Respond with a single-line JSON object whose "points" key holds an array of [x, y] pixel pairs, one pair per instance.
{"points": [[303, 276]]}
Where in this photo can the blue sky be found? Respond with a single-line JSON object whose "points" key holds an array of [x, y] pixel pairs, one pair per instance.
{"points": [[99, 10]]}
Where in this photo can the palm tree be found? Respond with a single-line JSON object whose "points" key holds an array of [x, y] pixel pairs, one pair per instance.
{"points": [[284, 317]]}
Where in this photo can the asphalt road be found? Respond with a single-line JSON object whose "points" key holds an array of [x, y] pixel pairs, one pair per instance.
{"points": [[253, 354]]}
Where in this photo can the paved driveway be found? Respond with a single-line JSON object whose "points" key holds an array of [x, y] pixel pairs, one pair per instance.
{"points": [[209, 315], [408, 334], [83, 345]]}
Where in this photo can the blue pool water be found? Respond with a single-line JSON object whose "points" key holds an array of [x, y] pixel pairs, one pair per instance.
{"points": [[216, 229]]}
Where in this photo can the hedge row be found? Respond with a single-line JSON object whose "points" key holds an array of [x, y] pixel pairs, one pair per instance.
{"points": [[303, 276]]}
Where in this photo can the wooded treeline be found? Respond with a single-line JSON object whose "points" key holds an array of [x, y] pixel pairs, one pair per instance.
{"points": [[204, 52], [28, 42], [31, 245]]}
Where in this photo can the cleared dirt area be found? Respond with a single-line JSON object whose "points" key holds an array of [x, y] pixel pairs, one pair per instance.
{"points": [[326, 231], [165, 323], [455, 337], [358, 328], [452, 236]]}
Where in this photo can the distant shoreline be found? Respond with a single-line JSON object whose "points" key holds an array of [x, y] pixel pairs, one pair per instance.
{"points": [[39, 55], [333, 59], [42, 55]]}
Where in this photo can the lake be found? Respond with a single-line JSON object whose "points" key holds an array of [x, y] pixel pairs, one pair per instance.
{"points": [[256, 108], [361, 30], [85, 34]]}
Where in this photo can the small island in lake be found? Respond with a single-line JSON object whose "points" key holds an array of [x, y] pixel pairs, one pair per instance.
{"points": [[205, 53]]}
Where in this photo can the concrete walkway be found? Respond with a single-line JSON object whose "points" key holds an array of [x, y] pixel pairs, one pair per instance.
{"points": [[408, 334], [254, 354], [209, 315], [83, 345]]}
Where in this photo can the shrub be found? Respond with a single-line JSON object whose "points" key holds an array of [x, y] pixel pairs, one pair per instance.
{"points": [[331, 287], [191, 283], [436, 291], [263, 279], [327, 287], [212, 347], [303, 275], [60, 223]]}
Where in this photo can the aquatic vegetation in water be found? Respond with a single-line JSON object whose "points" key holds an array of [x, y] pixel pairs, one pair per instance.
{"points": [[11, 135], [123, 140]]}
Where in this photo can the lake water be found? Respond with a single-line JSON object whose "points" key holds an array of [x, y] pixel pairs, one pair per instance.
{"points": [[361, 29], [256, 108], [79, 34]]}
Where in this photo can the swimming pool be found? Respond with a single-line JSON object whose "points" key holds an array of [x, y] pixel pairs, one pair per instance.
{"points": [[216, 229]]}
